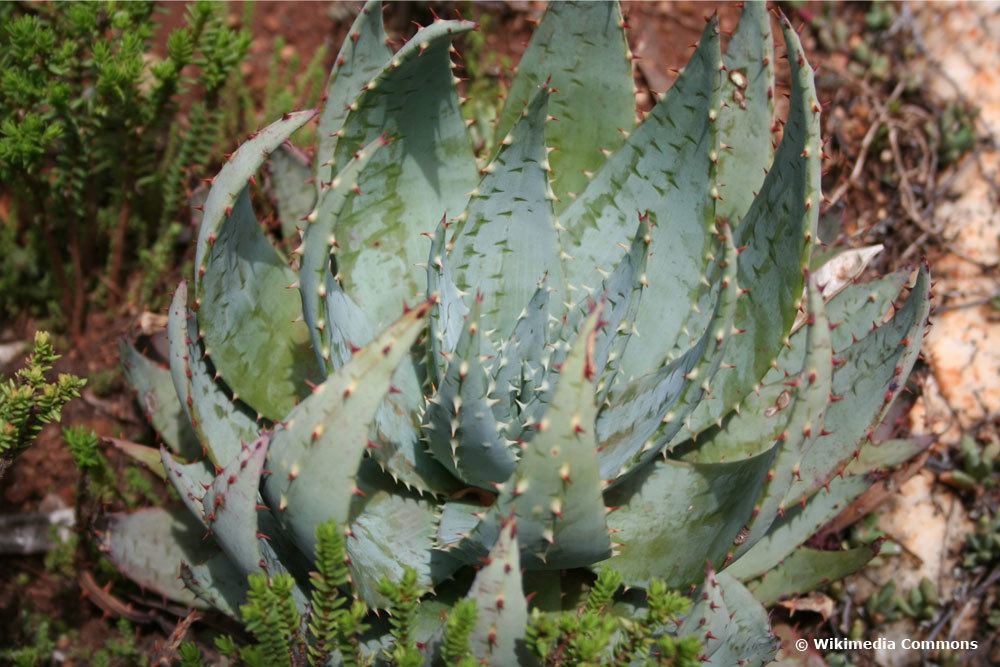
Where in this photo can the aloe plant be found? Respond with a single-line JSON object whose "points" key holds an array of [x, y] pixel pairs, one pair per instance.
{"points": [[613, 336]]}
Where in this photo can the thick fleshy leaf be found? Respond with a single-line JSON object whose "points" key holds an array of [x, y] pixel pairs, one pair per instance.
{"points": [[745, 115], [221, 423], [314, 457], [873, 372], [334, 322], [879, 457], [555, 492], [664, 167], [395, 440], [250, 321], [796, 526], [805, 423], [362, 55], [249, 324], [671, 517], [861, 307], [155, 392], [216, 582], [506, 242], [244, 529], [732, 625], [777, 231], [459, 424], [644, 414], [149, 546], [230, 506], [449, 310], [619, 296], [623, 293], [391, 530], [502, 608], [232, 179], [457, 521], [579, 49], [291, 188], [853, 312], [425, 172], [190, 480], [808, 569], [397, 444], [519, 368], [744, 131]]}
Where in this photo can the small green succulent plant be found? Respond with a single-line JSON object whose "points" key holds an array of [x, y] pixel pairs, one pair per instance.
{"points": [[28, 401], [617, 337]]}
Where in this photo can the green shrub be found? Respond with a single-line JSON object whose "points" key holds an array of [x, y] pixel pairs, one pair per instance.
{"points": [[95, 148]]}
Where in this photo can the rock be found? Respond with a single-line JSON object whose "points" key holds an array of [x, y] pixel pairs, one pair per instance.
{"points": [[930, 523], [962, 44]]}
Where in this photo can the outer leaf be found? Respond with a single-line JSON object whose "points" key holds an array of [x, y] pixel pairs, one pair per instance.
{"points": [[732, 625], [745, 115], [860, 307], [500, 602], [805, 423], [797, 526], [334, 331], [362, 55], [777, 232], [233, 178], [579, 49], [221, 423], [230, 507], [249, 324], [664, 167], [853, 313], [149, 546], [672, 517], [190, 480], [426, 172], [507, 240], [155, 393], [315, 457], [244, 529], [865, 385], [291, 187], [808, 569], [884, 455], [216, 582]]}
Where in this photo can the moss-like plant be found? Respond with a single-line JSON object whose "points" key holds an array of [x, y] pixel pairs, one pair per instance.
{"points": [[28, 400]]}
